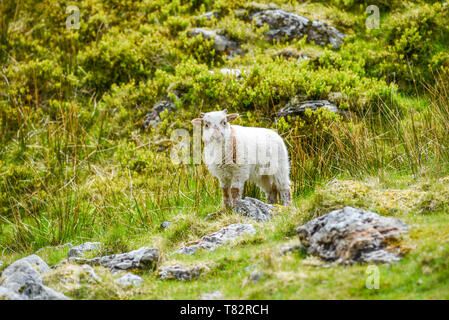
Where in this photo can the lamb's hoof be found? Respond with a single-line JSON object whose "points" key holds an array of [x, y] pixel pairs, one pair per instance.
{"points": [[254, 209]]}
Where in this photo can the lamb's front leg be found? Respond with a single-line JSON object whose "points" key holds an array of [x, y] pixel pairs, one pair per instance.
{"points": [[226, 197], [225, 185]]}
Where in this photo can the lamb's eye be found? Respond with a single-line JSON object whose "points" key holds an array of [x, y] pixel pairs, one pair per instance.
{"points": [[223, 123], [206, 125]]}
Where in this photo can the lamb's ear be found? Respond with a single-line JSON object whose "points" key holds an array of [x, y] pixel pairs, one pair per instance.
{"points": [[197, 121], [232, 116]]}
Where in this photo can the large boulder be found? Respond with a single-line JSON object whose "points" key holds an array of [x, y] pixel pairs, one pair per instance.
{"points": [[353, 235], [286, 24], [218, 238], [23, 281], [143, 258]]}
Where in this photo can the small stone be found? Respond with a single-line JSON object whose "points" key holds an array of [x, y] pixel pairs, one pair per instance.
{"points": [[236, 73], [254, 209], [78, 251], [289, 53], [165, 224], [255, 276], [288, 249], [216, 295], [128, 280], [181, 273], [153, 118], [209, 15]]}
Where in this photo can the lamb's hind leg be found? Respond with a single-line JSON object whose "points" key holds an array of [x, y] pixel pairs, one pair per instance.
{"points": [[283, 186], [267, 186]]}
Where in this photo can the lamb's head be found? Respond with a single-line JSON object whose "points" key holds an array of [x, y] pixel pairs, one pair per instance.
{"points": [[216, 125]]}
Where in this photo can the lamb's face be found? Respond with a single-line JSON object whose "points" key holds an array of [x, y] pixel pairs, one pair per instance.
{"points": [[216, 125]]}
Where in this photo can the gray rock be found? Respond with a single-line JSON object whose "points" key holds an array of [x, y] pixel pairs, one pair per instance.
{"points": [[288, 249], [22, 281], [78, 251], [7, 294], [33, 260], [165, 224], [213, 240], [237, 73], [153, 118], [180, 273], [352, 235], [216, 295], [209, 15], [285, 24], [91, 272], [254, 209], [128, 280], [255, 276], [221, 43], [296, 107], [289, 53], [143, 258]]}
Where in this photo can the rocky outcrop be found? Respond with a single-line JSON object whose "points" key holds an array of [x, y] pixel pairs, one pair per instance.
{"points": [[152, 118], [353, 235], [143, 258], [78, 251], [221, 43], [23, 281], [295, 107], [181, 273], [216, 239], [284, 24], [254, 209]]}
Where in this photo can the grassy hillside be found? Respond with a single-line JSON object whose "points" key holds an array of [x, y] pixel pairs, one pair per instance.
{"points": [[77, 164]]}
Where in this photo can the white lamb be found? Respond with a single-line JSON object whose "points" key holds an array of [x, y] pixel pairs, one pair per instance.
{"points": [[235, 154]]}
